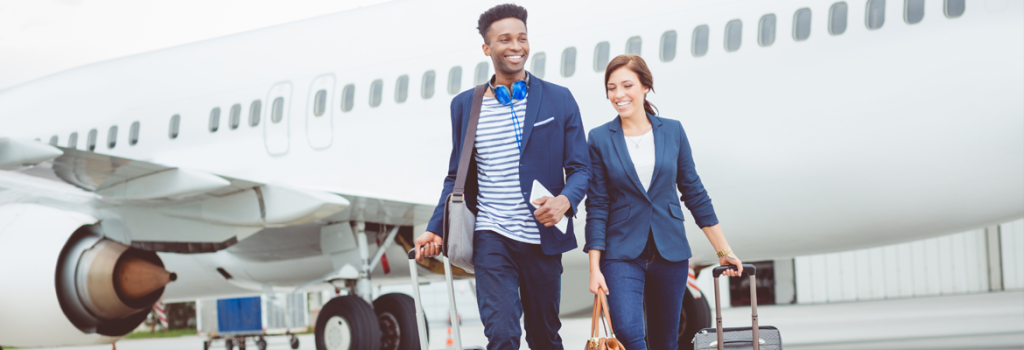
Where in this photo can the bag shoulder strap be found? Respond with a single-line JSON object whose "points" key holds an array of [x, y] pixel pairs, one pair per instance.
{"points": [[468, 141], [607, 316]]}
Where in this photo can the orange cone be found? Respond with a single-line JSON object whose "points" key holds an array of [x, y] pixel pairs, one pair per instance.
{"points": [[450, 342]]}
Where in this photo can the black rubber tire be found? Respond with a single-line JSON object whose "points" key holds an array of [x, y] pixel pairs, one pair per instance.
{"points": [[358, 314], [261, 344], [403, 308], [229, 344], [206, 345], [696, 315], [241, 343], [294, 342]]}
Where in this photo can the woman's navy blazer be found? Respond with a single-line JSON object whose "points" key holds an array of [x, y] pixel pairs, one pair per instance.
{"points": [[620, 213]]}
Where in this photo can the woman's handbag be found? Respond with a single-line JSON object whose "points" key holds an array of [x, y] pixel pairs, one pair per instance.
{"points": [[596, 343], [459, 221]]}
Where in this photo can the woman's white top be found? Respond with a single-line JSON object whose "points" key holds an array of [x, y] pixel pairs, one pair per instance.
{"points": [[641, 151]]}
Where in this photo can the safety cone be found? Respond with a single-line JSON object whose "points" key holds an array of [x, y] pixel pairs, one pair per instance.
{"points": [[450, 342]]}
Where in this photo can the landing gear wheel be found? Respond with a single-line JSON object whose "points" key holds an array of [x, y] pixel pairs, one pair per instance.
{"points": [[261, 344], [396, 314], [347, 323], [229, 344], [294, 342], [206, 345], [696, 315], [241, 343]]}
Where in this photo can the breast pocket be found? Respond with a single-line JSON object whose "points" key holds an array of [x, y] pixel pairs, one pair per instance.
{"points": [[676, 212], [618, 215], [544, 122]]}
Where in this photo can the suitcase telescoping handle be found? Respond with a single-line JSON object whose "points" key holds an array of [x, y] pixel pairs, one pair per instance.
{"points": [[453, 312], [748, 270], [421, 320]]}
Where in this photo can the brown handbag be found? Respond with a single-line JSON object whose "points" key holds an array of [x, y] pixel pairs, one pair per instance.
{"points": [[596, 342]]}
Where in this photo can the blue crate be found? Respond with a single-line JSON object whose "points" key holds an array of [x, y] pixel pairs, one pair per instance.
{"points": [[239, 315]]}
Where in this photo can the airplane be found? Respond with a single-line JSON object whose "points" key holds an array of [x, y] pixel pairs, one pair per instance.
{"points": [[301, 157]]}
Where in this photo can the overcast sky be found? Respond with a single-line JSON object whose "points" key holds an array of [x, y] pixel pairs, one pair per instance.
{"points": [[42, 37]]}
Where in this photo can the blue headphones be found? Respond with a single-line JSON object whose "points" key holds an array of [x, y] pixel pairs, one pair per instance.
{"points": [[519, 89]]}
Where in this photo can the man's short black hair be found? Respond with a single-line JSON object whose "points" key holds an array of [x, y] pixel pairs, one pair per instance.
{"points": [[498, 13]]}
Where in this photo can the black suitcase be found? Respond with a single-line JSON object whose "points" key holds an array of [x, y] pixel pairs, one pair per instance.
{"points": [[421, 321], [737, 338]]}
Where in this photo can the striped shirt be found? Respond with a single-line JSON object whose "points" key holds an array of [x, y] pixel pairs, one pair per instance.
{"points": [[502, 206]]}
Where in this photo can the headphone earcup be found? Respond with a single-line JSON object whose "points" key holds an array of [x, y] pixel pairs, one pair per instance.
{"points": [[501, 94], [519, 90]]}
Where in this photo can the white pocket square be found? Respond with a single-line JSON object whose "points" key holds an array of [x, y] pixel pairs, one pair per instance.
{"points": [[542, 122]]}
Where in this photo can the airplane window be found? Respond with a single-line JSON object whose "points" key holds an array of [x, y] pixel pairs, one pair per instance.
{"points": [[733, 35], [601, 56], [254, 112], [215, 119], [668, 46], [837, 18], [73, 140], [236, 116], [90, 142], [766, 30], [320, 103], [402, 89], [112, 137], [633, 46], [700, 41], [133, 134], [802, 24], [953, 8], [175, 123], [376, 92], [348, 97], [875, 16], [482, 70], [277, 110], [427, 90], [537, 67], [568, 62], [53, 140], [454, 80], [913, 11]]}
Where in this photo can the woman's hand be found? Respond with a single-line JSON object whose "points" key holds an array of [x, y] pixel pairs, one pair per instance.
{"points": [[730, 259], [597, 282]]}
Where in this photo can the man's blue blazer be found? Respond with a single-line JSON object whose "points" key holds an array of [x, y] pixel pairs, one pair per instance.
{"points": [[554, 152], [621, 214]]}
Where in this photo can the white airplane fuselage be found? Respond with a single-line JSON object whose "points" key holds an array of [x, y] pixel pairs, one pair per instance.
{"points": [[836, 142]]}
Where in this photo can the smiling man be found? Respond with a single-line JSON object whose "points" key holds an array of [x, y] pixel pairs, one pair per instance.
{"points": [[528, 130]]}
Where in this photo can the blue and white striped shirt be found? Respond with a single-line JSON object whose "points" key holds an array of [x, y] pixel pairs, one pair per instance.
{"points": [[502, 206]]}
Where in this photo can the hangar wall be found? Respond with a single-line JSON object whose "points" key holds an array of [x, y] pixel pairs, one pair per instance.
{"points": [[953, 264]]}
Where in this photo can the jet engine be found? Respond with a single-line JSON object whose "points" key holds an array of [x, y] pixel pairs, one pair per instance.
{"points": [[66, 284]]}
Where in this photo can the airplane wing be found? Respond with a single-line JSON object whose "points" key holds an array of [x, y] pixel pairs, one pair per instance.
{"points": [[165, 208]]}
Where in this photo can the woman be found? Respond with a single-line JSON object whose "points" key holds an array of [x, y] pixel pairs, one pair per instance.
{"points": [[635, 237]]}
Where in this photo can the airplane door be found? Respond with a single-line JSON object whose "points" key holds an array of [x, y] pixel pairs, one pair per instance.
{"points": [[275, 129], [319, 112]]}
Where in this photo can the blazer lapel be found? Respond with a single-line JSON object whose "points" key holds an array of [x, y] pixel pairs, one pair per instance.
{"points": [[533, 99], [619, 141], [660, 143]]}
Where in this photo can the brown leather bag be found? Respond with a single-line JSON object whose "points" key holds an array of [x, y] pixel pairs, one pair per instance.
{"points": [[596, 342]]}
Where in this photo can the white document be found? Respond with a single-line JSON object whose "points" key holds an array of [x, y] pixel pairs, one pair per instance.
{"points": [[539, 191]]}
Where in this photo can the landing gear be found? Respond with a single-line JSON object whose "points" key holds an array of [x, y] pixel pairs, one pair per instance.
{"points": [[293, 341], [261, 344], [241, 343], [396, 314], [229, 344], [347, 323], [696, 315]]}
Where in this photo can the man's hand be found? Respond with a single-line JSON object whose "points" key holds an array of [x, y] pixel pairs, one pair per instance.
{"points": [[431, 244], [551, 210]]}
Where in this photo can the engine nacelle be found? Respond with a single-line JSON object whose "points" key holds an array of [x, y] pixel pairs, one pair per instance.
{"points": [[64, 284]]}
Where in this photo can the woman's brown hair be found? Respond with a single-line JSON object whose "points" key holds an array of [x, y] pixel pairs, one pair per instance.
{"points": [[638, 66]]}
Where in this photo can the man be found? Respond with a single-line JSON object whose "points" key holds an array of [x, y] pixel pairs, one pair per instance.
{"points": [[517, 251]]}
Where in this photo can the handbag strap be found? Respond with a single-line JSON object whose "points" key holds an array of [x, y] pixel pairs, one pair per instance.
{"points": [[607, 316], [467, 143], [594, 331]]}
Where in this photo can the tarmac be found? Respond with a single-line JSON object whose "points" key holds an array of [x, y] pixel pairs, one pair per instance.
{"points": [[992, 320]]}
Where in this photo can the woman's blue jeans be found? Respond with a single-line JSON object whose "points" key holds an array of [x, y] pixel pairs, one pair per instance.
{"points": [[648, 282]]}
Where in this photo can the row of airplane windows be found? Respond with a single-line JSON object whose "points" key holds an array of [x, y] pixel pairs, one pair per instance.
{"points": [[874, 18]]}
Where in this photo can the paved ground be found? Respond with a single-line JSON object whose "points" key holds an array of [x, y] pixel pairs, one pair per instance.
{"points": [[977, 321]]}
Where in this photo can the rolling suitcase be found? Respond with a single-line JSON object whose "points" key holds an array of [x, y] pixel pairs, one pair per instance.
{"points": [[421, 321], [738, 338]]}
